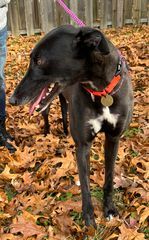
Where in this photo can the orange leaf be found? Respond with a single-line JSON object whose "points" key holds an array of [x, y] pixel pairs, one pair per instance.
{"points": [[129, 234], [26, 224]]}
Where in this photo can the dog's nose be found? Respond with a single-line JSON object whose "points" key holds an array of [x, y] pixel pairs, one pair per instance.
{"points": [[13, 100]]}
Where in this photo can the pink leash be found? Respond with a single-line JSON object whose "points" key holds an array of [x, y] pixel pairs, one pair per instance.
{"points": [[71, 13]]}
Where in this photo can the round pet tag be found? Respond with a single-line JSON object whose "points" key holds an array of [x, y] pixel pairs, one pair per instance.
{"points": [[107, 100]]}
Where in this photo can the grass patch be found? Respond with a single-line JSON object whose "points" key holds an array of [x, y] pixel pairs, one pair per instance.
{"points": [[100, 231], [96, 157], [146, 233], [41, 221], [10, 192], [97, 193], [65, 196], [133, 153], [29, 209], [133, 170], [145, 230], [77, 217], [131, 132]]}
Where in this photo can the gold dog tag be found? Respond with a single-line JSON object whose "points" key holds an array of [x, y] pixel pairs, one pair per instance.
{"points": [[107, 100]]}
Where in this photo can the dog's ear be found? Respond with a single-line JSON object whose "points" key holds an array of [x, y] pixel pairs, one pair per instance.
{"points": [[92, 39]]}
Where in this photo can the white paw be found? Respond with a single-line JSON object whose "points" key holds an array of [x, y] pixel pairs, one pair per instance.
{"points": [[110, 217], [78, 183]]}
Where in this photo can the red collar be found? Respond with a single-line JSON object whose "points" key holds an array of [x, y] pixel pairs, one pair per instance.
{"points": [[115, 80], [108, 89]]}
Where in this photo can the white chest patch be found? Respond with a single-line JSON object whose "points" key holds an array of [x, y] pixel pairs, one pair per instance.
{"points": [[111, 118]]}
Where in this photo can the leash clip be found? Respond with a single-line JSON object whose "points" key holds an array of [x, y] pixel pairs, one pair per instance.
{"points": [[119, 66]]}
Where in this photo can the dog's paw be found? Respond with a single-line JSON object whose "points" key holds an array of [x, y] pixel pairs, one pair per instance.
{"points": [[46, 131], [110, 212], [110, 217], [90, 221]]}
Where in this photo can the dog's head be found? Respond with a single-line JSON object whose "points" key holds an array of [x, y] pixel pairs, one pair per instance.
{"points": [[60, 59]]}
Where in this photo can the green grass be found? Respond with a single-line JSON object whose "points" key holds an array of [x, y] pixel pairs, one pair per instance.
{"points": [[96, 157], [43, 222], [10, 192], [133, 170], [133, 153], [29, 209], [64, 196], [77, 217], [97, 193], [145, 230], [131, 132]]}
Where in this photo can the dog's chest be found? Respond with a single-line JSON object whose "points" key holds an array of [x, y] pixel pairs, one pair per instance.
{"points": [[96, 123]]}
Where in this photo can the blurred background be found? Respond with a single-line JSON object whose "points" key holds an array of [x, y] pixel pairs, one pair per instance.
{"points": [[35, 16]]}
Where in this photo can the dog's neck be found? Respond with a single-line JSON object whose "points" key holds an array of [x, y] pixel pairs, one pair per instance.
{"points": [[103, 68]]}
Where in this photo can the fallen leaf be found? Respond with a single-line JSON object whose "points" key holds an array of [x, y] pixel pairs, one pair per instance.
{"points": [[26, 225]]}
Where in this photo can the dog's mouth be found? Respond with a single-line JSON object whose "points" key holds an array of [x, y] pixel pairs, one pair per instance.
{"points": [[45, 98]]}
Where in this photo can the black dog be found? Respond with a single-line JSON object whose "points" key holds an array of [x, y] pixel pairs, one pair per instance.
{"points": [[85, 66]]}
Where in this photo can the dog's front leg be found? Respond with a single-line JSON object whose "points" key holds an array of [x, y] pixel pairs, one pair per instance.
{"points": [[82, 153], [111, 149], [45, 115], [64, 107]]}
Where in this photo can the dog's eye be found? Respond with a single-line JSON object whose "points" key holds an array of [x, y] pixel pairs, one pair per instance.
{"points": [[39, 62]]}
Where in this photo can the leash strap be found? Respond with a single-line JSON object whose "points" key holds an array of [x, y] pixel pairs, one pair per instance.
{"points": [[71, 13]]}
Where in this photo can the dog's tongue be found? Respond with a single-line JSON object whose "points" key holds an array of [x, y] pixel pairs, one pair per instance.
{"points": [[38, 99]]}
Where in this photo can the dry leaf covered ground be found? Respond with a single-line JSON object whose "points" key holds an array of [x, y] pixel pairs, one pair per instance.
{"points": [[39, 192]]}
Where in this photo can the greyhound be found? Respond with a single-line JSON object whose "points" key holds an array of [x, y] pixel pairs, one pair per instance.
{"points": [[83, 65]]}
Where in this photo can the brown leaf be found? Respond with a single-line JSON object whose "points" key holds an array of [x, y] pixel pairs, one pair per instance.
{"points": [[9, 236], [26, 225], [121, 181], [6, 175], [143, 211], [129, 234]]}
